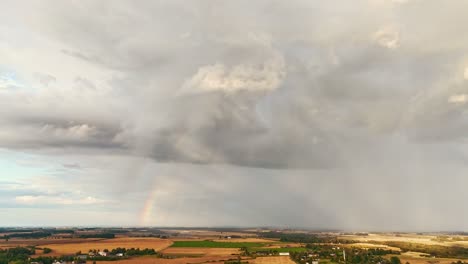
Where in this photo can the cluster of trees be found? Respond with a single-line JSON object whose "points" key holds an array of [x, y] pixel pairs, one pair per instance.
{"points": [[18, 255], [15, 230], [258, 252], [356, 255], [112, 254], [23, 255], [98, 235], [34, 235], [133, 251], [51, 260], [303, 238]]}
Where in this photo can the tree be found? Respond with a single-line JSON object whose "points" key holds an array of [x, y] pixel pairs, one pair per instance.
{"points": [[395, 260]]}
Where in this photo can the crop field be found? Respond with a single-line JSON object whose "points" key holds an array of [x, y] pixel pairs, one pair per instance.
{"points": [[200, 251], [283, 249], [410, 238], [214, 244], [71, 248], [369, 245], [185, 260], [420, 260], [179, 248], [273, 260], [243, 240]]}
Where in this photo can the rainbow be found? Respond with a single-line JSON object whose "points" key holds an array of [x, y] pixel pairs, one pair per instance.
{"points": [[147, 212]]}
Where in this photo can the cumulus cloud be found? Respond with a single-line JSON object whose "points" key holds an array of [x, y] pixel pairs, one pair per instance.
{"points": [[255, 78], [387, 37]]}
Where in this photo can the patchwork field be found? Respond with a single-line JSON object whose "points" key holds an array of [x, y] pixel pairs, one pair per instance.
{"points": [[214, 244], [410, 238], [59, 249], [212, 247], [151, 260]]}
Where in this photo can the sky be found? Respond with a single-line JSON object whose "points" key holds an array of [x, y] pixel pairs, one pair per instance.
{"points": [[346, 115]]}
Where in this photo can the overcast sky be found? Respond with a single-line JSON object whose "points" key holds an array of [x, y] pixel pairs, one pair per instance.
{"points": [[321, 114]]}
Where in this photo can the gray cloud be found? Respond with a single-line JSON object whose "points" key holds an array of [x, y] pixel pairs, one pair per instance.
{"points": [[264, 97]]}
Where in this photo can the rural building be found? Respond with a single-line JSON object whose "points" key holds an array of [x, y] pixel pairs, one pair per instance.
{"points": [[82, 257], [284, 253]]}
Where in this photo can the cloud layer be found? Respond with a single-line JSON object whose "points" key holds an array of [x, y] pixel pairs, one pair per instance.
{"points": [[337, 112]]}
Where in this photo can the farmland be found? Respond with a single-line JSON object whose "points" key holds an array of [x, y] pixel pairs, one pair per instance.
{"points": [[273, 260], [198, 251], [59, 249], [215, 244], [227, 246]]}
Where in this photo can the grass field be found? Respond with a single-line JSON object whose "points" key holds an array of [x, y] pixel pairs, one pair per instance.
{"points": [[214, 244], [192, 251]]}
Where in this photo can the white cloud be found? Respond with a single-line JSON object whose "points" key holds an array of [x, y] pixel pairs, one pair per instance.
{"points": [[458, 98], [387, 37], [72, 132], [56, 200], [243, 77]]}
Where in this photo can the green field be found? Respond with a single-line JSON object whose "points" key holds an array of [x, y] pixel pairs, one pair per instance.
{"points": [[213, 244]]}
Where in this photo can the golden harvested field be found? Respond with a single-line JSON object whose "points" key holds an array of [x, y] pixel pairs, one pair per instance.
{"points": [[202, 251], [421, 239], [152, 260], [273, 260], [128, 242], [410, 238], [368, 245], [427, 260]]}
